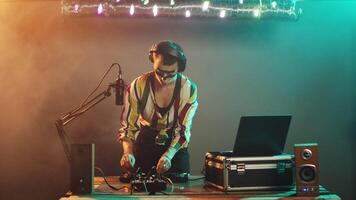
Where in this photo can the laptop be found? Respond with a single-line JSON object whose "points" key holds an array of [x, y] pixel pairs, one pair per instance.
{"points": [[261, 135]]}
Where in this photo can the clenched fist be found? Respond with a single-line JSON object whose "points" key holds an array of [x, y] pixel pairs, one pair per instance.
{"points": [[163, 165], [127, 161]]}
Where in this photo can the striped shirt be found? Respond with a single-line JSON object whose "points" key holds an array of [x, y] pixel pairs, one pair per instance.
{"points": [[140, 109]]}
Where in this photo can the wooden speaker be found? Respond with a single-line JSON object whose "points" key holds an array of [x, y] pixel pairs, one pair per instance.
{"points": [[82, 168], [307, 169]]}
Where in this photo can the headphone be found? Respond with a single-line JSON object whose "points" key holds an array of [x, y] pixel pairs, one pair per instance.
{"points": [[170, 48]]}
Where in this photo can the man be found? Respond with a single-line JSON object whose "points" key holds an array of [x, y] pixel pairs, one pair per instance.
{"points": [[157, 114]]}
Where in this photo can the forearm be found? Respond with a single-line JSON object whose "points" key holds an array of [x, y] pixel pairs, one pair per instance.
{"points": [[128, 159], [171, 151], [127, 147]]}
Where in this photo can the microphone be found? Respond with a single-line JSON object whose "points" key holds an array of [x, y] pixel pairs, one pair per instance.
{"points": [[120, 88]]}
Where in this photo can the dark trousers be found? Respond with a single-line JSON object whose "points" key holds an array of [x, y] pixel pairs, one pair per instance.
{"points": [[148, 153]]}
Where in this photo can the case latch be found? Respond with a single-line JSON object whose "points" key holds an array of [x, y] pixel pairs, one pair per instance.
{"points": [[281, 167], [239, 167]]}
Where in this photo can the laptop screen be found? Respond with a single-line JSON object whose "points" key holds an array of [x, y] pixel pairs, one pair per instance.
{"points": [[261, 135]]}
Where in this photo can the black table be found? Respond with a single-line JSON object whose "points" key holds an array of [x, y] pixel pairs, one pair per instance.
{"points": [[193, 189]]}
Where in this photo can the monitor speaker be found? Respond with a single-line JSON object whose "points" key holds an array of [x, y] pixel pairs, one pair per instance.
{"points": [[307, 169], [82, 168]]}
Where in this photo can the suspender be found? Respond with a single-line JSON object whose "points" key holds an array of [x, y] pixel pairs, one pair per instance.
{"points": [[146, 91], [175, 100]]}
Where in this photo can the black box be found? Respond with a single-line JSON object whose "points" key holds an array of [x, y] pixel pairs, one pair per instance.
{"points": [[231, 173], [82, 168]]}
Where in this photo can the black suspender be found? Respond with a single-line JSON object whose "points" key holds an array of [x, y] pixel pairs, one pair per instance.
{"points": [[143, 101]]}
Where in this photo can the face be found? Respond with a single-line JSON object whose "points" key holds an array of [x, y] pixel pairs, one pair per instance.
{"points": [[164, 73]]}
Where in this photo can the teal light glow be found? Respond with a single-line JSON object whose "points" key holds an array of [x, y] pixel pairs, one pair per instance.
{"points": [[222, 13], [256, 12], [274, 4]]}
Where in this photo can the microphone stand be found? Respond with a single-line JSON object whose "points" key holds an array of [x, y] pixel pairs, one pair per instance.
{"points": [[70, 116]]}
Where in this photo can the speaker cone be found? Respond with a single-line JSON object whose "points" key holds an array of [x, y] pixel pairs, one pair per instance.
{"points": [[307, 173]]}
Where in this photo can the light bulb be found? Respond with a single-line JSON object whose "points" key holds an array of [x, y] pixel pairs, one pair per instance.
{"points": [[256, 12], [187, 13], [222, 13], [100, 9], [205, 5], [132, 9], [155, 10], [274, 4], [76, 7]]}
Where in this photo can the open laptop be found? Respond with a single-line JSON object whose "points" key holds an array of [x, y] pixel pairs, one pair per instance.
{"points": [[261, 135]]}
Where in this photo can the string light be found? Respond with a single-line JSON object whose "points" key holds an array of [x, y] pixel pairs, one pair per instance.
{"points": [[187, 13], [222, 13], [256, 12], [205, 8], [205, 5], [76, 7], [100, 9], [274, 4], [155, 10], [132, 9]]}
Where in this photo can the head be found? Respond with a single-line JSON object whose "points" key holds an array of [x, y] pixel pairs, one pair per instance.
{"points": [[168, 59]]}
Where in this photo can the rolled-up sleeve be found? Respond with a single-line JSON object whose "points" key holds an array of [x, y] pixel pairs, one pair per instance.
{"points": [[129, 118]]}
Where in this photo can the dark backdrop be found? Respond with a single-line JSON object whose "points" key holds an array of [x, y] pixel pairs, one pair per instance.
{"points": [[246, 67]]}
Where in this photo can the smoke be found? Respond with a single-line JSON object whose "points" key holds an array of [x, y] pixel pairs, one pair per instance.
{"points": [[46, 71], [49, 64]]}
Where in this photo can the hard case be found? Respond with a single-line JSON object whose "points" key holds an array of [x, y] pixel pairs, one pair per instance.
{"points": [[231, 173]]}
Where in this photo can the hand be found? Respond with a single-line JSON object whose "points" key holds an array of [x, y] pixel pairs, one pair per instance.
{"points": [[127, 161], [163, 165]]}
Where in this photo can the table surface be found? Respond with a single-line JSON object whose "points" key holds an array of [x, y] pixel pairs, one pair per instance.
{"points": [[195, 188]]}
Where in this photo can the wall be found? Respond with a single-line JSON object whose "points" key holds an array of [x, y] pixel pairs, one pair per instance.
{"points": [[49, 64]]}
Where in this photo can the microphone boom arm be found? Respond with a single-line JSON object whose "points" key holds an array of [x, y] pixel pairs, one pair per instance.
{"points": [[70, 116]]}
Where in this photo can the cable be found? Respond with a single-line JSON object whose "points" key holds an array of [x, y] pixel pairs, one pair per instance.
{"points": [[170, 182], [203, 171], [67, 141], [195, 179], [101, 81], [107, 183], [144, 184], [149, 173]]}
